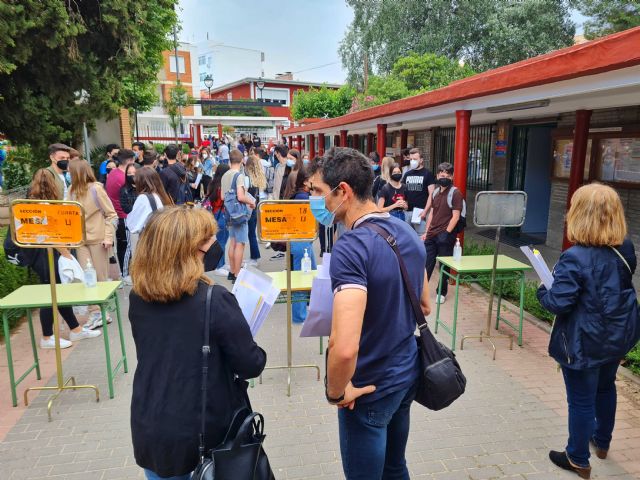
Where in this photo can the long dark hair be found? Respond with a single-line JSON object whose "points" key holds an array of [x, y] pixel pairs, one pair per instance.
{"points": [[213, 192]]}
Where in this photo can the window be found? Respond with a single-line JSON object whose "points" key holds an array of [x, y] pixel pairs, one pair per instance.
{"points": [[620, 159], [275, 95], [203, 76], [202, 60], [172, 64]]}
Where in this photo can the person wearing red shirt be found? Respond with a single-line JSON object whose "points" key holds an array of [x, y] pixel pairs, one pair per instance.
{"points": [[115, 181]]}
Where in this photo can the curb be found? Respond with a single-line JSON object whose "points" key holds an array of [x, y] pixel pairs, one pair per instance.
{"points": [[542, 325]]}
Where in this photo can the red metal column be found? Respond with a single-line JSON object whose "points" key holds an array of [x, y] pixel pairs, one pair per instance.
{"points": [[343, 138], [219, 130], [461, 154], [404, 137], [369, 143], [382, 139], [356, 141], [321, 144], [336, 141], [290, 142], [312, 146], [299, 142], [578, 157]]}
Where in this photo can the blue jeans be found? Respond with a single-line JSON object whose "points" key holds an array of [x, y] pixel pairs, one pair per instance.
{"points": [[399, 214], [254, 250], [592, 398], [373, 437], [222, 236], [299, 308], [154, 476]]}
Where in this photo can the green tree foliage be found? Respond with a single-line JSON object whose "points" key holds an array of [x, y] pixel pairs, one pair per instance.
{"points": [[52, 49], [428, 71], [174, 106], [608, 16], [322, 102], [483, 33]]}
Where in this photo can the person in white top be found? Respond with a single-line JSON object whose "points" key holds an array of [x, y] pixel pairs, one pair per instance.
{"points": [[151, 197]]}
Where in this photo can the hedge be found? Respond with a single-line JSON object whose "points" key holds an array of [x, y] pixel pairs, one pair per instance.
{"points": [[511, 291]]}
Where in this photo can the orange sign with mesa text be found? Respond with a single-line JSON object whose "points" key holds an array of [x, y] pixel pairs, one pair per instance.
{"points": [[282, 221], [47, 223]]}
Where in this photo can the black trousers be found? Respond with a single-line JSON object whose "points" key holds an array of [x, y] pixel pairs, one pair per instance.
{"points": [[121, 243], [439, 246]]}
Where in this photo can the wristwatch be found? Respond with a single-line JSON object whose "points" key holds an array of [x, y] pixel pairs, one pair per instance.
{"points": [[333, 401]]}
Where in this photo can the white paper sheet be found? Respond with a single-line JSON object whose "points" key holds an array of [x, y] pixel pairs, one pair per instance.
{"points": [[415, 215], [256, 296], [539, 265]]}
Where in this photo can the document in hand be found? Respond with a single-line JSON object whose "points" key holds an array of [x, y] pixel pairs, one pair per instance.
{"points": [[415, 216], [539, 265], [256, 295], [318, 322]]}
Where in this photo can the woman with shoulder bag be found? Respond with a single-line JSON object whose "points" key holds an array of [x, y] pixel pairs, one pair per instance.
{"points": [[596, 322], [167, 313]]}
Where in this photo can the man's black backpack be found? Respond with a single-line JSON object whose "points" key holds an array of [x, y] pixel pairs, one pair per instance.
{"points": [[462, 222], [183, 194]]}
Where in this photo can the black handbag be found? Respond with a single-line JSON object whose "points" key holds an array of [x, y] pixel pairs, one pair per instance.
{"points": [[441, 379], [240, 456]]}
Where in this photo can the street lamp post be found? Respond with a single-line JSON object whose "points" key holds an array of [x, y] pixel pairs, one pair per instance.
{"points": [[260, 85], [208, 82]]}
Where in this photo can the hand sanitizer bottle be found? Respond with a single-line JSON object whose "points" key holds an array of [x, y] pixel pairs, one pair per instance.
{"points": [[90, 277], [306, 262], [457, 251]]}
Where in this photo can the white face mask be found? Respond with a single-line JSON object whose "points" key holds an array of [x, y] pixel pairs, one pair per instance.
{"points": [[414, 164]]}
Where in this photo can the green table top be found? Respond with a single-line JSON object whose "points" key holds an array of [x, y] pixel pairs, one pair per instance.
{"points": [[300, 282], [483, 263], [32, 296]]}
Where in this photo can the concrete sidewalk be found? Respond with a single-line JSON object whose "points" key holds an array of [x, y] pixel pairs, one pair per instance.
{"points": [[513, 412]]}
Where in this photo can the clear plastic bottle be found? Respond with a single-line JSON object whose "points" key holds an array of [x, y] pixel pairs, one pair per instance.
{"points": [[457, 251], [306, 262], [90, 277]]}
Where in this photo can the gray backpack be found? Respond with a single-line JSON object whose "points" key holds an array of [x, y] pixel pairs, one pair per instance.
{"points": [[236, 213]]}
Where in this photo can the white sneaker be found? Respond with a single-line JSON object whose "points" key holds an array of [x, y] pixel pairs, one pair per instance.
{"points": [[440, 298], [267, 245], [251, 263], [221, 272], [95, 321], [127, 280], [84, 333], [51, 343]]}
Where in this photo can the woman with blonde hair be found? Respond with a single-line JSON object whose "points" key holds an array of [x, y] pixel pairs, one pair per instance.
{"points": [[100, 218], [385, 176], [596, 323], [257, 186], [167, 309]]}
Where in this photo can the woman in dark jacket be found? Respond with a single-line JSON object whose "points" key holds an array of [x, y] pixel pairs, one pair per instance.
{"points": [[167, 313], [596, 320]]}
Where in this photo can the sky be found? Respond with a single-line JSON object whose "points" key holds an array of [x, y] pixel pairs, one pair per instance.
{"points": [[304, 38]]}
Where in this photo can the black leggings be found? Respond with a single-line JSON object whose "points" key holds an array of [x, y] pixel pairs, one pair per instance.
{"points": [[121, 243]]}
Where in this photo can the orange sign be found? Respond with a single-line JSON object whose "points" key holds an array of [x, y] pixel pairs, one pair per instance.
{"points": [[47, 223], [281, 221]]}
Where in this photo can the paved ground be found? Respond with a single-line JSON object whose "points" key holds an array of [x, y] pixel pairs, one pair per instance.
{"points": [[512, 413]]}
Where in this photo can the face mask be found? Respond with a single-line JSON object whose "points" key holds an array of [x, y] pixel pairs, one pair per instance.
{"points": [[375, 167], [198, 164], [205, 156], [212, 257], [305, 161], [413, 164], [396, 177], [290, 163], [135, 154], [444, 182], [319, 209], [62, 164], [130, 179], [67, 177]]}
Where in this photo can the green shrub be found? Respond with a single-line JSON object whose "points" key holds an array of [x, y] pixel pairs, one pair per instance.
{"points": [[633, 360]]}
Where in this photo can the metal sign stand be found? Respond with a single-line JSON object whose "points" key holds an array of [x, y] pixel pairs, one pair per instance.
{"points": [[261, 231], [498, 216], [70, 221]]}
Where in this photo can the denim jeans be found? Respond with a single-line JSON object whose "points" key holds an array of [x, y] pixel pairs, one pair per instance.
{"points": [[254, 250], [591, 395], [299, 308], [154, 476], [222, 236], [373, 437]]}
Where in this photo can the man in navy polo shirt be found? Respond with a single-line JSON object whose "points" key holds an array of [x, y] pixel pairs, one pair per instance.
{"points": [[372, 364]]}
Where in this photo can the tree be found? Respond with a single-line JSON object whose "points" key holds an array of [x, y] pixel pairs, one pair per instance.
{"points": [[51, 50], [483, 33], [608, 16], [428, 71], [321, 102], [178, 100]]}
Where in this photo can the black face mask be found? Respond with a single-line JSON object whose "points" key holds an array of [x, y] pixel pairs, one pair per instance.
{"points": [[130, 179], [396, 177], [444, 182], [63, 165], [212, 257]]}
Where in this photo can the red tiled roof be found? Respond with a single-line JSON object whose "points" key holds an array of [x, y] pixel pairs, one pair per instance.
{"points": [[612, 52]]}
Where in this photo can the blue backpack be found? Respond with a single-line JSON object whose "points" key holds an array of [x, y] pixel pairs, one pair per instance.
{"points": [[236, 213]]}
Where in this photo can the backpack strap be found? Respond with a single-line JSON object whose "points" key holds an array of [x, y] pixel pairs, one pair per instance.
{"points": [[234, 182], [206, 349], [152, 201]]}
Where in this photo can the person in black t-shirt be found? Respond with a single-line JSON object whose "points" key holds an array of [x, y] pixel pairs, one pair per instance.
{"points": [[392, 195], [419, 183]]}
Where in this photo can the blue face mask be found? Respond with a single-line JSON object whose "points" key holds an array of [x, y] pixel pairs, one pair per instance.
{"points": [[319, 209], [375, 167], [290, 163], [305, 161]]}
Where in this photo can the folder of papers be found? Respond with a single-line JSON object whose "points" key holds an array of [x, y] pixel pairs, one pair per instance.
{"points": [[539, 265], [256, 295]]}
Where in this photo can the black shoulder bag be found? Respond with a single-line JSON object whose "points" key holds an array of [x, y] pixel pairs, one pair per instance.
{"points": [[441, 379], [240, 455]]}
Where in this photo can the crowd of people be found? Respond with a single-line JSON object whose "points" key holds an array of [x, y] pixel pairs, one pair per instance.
{"points": [[137, 226]]}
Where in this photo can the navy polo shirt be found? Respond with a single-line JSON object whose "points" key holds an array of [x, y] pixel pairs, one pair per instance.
{"points": [[362, 259]]}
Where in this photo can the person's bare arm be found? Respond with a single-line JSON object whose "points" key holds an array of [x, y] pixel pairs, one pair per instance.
{"points": [[425, 303], [427, 207], [455, 216], [243, 198]]}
